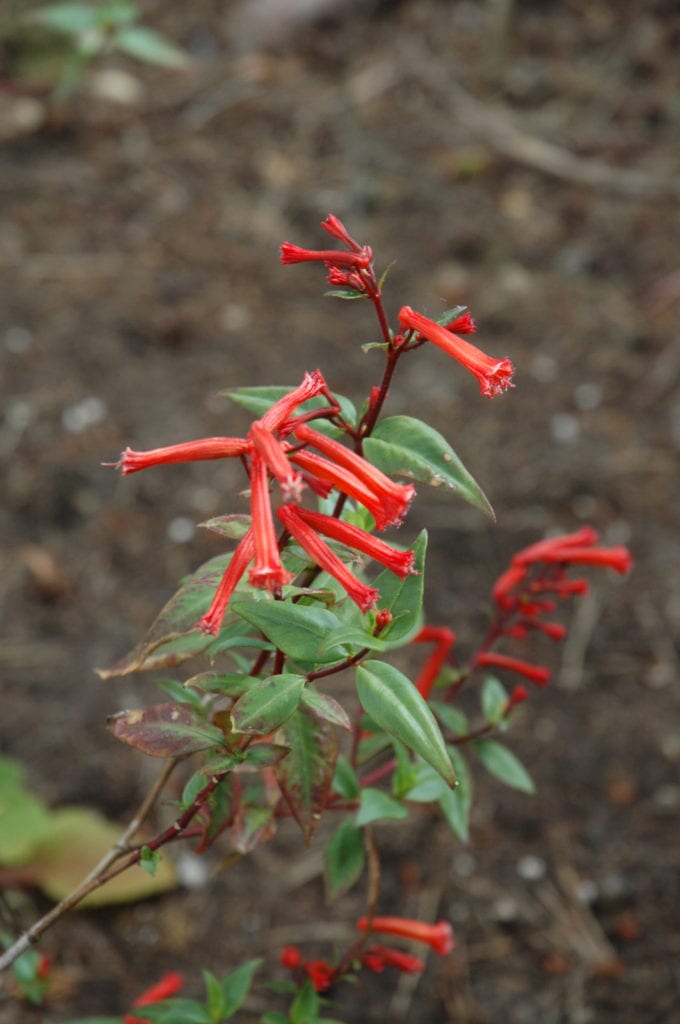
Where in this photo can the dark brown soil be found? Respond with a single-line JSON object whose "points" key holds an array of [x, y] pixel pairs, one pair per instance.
{"points": [[138, 247]]}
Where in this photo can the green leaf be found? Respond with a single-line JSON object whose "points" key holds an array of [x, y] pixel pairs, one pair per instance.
{"points": [[24, 818], [177, 1011], [404, 598], [345, 293], [236, 986], [274, 1017], [180, 693], [453, 720], [306, 1006], [165, 730], [149, 860], [375, 805], [300, 631], [175, 637], [306, 774], [406, 446], [355, 638], [494, 700], [72, 19], [456, 804], [346, 782], [258, 399], [394, 703], [233, 527], [252, 827], [345, 856], [147, 45], [428, 786], [502, 763], [267, 704], [325, 707]]}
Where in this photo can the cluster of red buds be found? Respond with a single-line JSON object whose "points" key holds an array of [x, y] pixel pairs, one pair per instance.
{"points": [[169, 985], [277, 446], [528, 592], [375, 958]]}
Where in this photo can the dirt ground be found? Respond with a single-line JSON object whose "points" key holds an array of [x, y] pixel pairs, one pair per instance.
{"points": [[138, 248]]}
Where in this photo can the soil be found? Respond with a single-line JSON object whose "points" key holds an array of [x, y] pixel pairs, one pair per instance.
{"points": [[138, 246]]}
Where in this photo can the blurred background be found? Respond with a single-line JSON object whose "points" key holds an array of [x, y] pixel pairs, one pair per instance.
{"points": [[518, 158]]}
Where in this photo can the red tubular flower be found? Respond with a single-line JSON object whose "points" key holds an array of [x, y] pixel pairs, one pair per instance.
{"points": [[312, 385], [439, 936], [377, 958], [317, 549], [332, 257], [189, 451], [320, 973], [268, 571], [242, 556], [398, 562], [534, 673], [273, 453], [505, 584], [444, 639], [463, 324], [617, 558], [343, 480], [555, 630], [585, 537], [334, 226], [168, 986], [494, 375], [395, 498], [290, 957]]}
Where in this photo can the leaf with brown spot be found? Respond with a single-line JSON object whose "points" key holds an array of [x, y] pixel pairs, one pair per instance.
{"points": [[165, 730], [306, 774]]}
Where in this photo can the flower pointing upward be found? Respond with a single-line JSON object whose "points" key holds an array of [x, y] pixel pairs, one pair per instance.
{"points": [[494, 375]]}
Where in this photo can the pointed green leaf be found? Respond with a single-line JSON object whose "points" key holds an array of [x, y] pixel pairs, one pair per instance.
{"points": [[252, 827], [427, 787], [456, 804], [345, 856], [24, 818], [300, 631], [404, 598], [147, 45], [71, 18], [394, 703], [502, 763], [165, 730], [267, 704], [323, 706], [374, 805], [306, 774], [406, 446], [346, 782], [177, 1011], [452, 720], [236, 986], [494, 700]]}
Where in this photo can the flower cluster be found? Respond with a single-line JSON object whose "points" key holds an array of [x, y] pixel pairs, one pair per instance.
{"points": [[376, 957], [527, 594], [347, 268], [277, 446]]}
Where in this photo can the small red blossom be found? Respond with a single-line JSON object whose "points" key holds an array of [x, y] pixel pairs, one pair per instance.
{"points": [[518, 694], [334, 226], [189, 451], [169, 985], [439, 936], [290, 957], [398, 562], [275, 417], [320, 553], [394, 498], [268, 570], [331, 257], [240, 560], [463, 324], [534, 673], [320, 973], [585, 537], [494, 375], [377, 958]]}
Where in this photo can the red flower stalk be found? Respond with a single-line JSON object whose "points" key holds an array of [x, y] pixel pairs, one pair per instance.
{"points": [[168, 986], [444, 639], [377, 958], [534, 673], [313, 384], [494, 375], [268, 570], [398, 562], [317, 549], [331, 257], [344, 481], [242, 556], [189, 451], [273, 453], [439, 936], [396, 498]]}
